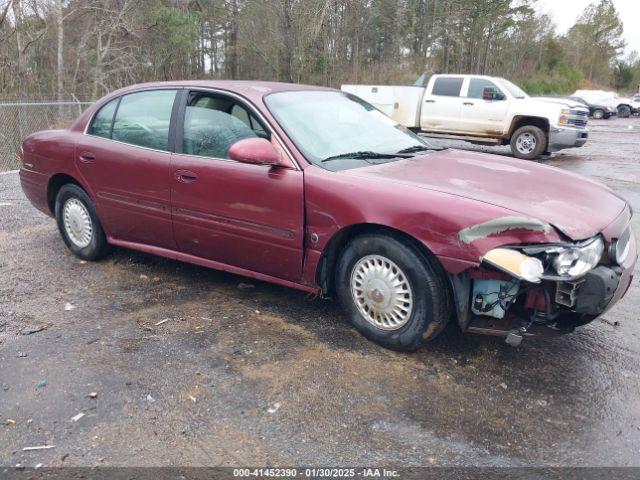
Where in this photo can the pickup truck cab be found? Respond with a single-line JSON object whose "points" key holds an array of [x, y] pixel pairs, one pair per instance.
{"points": [[481, 109]]}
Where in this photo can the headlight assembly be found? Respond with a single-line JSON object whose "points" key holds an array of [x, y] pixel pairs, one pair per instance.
{"points": [[515, 263], [551, 262], [575, 261]]}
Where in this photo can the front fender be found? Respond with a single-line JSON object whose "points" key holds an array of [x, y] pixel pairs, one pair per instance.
{"points": [[457, 230]]}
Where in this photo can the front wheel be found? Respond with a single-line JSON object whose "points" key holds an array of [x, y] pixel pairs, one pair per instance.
{"points": [[624, 111], [598, 114], [528, 142], [392, 293], [79, 225]]}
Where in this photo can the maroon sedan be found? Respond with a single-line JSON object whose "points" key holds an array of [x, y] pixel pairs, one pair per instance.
{"points": [[315, 189]]}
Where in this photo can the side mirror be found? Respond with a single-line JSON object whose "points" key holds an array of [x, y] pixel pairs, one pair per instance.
{"points": [[492, 94], [257, 151]]}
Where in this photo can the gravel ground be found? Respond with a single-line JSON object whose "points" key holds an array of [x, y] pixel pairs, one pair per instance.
{"points": [[191, 366]]}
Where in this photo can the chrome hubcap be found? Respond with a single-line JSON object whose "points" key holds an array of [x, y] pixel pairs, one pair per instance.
{"points": [[77, 222], [526, 143], [381, 291]]}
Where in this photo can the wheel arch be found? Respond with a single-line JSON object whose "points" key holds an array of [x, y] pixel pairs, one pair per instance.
{"points": [[56, 182], [328, 261], [522, 120]]}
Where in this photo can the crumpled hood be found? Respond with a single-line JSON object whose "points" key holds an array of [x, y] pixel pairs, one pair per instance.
{"points": [[575, 205]]}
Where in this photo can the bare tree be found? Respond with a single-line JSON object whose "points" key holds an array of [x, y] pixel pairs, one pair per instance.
{"points": [[60, 50]]}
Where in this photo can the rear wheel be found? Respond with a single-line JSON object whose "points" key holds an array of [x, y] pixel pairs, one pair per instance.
{"points": [[528, 142], [79, 225], [392, 294]]}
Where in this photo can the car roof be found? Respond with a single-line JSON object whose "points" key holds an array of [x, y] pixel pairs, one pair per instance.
{"points": [[251, 89], [487, 77]]}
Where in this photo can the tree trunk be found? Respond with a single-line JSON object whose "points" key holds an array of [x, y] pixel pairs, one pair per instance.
{"points": [[287, 34], [22, 65], [232, 44], [487, 49], [97, 74], [447, 54], [60, 62]]}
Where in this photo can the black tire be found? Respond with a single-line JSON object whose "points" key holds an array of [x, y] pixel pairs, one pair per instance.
{"points": [[529, 131], [429, 290], [598, 113], [97, 247], [624, 111]]}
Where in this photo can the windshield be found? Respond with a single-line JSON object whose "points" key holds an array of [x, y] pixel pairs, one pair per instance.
{"points": [[514, 90], [338, 131]]}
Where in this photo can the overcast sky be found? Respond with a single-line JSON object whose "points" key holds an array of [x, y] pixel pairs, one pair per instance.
{"points": [[565, 12]]}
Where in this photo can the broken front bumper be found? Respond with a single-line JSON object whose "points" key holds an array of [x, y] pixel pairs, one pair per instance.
{"points": [[566, 137], [551, 307]]}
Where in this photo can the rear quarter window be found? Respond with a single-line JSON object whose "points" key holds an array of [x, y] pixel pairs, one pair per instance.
{"points": [[447, 86]]}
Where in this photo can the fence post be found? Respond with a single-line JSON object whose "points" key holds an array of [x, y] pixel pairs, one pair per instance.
{"points": [[75, 99]]}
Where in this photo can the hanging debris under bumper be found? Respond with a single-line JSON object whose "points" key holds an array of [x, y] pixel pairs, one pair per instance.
{"points": [[491, 302]]}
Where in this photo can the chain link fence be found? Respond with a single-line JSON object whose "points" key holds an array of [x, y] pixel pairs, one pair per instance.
{"points": [[19, 119]]}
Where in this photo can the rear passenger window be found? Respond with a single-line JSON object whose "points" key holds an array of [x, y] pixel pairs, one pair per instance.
{"points": [[143, 119], [101, 125], [447, 86]]}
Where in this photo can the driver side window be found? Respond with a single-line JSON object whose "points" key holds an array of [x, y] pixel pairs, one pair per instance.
{"points": [[213, 123], [477, 86]]}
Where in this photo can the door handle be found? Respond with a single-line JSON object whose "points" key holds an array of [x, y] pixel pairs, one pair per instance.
{"points": [[87, 157], [185, 176], [468, 103], [429, 101]]}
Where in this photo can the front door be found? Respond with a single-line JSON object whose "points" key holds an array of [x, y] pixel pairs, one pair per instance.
{"points": [[239, 214], [483, 117], [125, 159]]}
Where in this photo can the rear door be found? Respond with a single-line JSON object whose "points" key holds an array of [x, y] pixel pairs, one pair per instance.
{"points": [[125, 159], [442, 104], [243, 215], [483, 117]]}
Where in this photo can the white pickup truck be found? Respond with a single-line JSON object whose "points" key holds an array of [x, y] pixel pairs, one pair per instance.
{"points": [[481, 109]]}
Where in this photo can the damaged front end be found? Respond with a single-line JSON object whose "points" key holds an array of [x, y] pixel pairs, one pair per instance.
{"points": [[543, 289]]}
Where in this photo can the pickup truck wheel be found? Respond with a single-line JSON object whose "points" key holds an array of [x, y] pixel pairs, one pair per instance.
{"points": [[598, 114], [528, 142], [624, 111], [79, 225], [392, 294]]}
